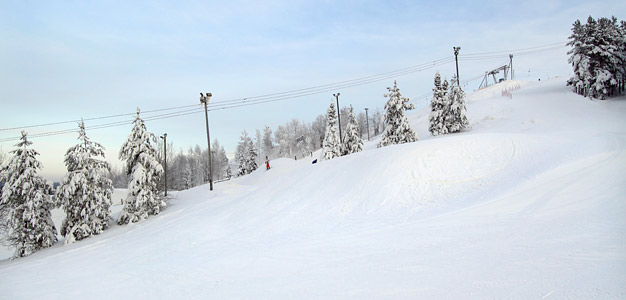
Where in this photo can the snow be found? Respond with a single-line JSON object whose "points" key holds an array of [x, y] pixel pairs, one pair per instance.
{"points": [[526, 204]]}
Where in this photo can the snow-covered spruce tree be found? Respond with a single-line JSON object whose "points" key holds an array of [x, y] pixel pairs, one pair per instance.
{"points": [[252, 157], [241, 158], [246, 155], [611, 60], [240, 154], [145, 172], [397, 129], [352, 141], [439, 108], [229, 172], [456, 119], [598, 57], [3, 208], [86, 190], [332, 145], [579, 58], [25, 196], [267, 145]]}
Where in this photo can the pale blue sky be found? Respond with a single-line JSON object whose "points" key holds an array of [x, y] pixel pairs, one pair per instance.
{"points": [[63, 60]]}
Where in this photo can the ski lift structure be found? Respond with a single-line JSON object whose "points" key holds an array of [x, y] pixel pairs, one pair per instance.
{"points": [[486, 82], [506, 68]]}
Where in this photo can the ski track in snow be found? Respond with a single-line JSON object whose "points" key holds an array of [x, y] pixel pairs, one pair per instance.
{"points": [[527, 204]]}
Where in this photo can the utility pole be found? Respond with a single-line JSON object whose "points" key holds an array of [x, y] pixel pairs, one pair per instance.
{"points": [[338, 118], [511, 65], [367, 121], [164, 137], [456, 58], [204, 99]]}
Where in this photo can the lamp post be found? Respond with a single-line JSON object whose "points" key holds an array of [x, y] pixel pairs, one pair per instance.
{"points": [[338, 118], [164, 137], [511, 64], [204, 99], [456, 59], [367, 121]]}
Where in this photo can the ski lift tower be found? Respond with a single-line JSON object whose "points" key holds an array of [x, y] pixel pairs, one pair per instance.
{"points": [[492, 73]]}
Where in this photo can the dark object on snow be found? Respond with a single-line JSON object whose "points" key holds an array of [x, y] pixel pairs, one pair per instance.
{"points": [[314, 162]]}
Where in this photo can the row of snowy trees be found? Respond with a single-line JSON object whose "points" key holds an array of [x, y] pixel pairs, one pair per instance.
{"points": [[447, 107], [448, 115], [297, 139], [396, 128], [333, 146], [85, 194], [598, 57], [185, 169], [246, 155]]}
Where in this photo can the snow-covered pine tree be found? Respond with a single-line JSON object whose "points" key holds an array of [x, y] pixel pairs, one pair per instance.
{"points": [[456, 119], [224, 163], [246, 155], [377, 121], [252, 156], [184, 177], [229, 172], [609, 59], [598, 57], [361, 120], [267, 144], [86, 190], [145, 171], [241, 158], [621, 32], [578, 58], [332, 145], [439, 108], [318, 128], [257, 144], [3, 209], [397, 129], [25, 196], [352, 141]]}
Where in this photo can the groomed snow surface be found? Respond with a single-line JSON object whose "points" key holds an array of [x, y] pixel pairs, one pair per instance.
{"points": [[530, 203]]}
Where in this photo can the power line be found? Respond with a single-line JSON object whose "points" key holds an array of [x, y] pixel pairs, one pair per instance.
{"points": [[286, 95], [246, 101], [515, 51], [92, 119], [352, 82]]}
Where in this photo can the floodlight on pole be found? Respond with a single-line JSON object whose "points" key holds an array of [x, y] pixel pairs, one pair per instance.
{"points": [[456, 59], [164, 137], [338, 118], [367, 121], [204, 99]]}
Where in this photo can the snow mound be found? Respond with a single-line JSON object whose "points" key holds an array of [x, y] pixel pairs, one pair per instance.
{"points": [[497, 89]]}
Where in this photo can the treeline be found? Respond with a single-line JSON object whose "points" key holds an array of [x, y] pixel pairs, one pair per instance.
{"points": [[296, 139], [185, 169]]}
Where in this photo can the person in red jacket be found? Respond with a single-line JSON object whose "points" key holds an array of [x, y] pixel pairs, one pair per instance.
{"points": [[267, 163]]}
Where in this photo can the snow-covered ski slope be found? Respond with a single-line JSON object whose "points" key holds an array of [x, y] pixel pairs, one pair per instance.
{"points": [[530, 203]]}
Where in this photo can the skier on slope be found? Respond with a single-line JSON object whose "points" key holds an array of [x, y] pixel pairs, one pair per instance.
{"points": [[267, 163]]}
